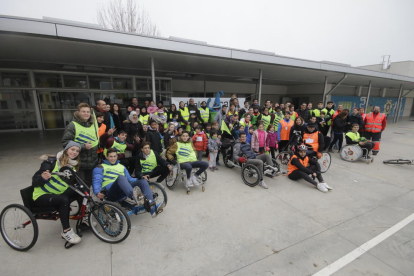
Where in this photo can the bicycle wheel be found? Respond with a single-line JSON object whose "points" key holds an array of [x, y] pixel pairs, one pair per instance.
{"points": [[283, 159], [74, 208], [250, 175], [172, 178], [109, 222], [18, 227], [397, 161], [325, 161], [226, 158], [159, 194]]}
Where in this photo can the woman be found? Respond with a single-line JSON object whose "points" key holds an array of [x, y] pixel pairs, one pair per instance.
{"points": [[117, 117], [297, 129], [246, 122], [133, 127], [185, 114], [232, 111], [169, 134], [144, 117], [186, 157], [338, 129], [51, 191], [301, 166], [83, 130]]}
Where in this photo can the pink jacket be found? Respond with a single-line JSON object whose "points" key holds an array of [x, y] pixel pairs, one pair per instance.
{"points": [[271, 139], [152, 109], [255, 140]]}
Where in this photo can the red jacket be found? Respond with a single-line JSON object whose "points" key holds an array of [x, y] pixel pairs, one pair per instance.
{"points": [[107, 143], [200, 141]]}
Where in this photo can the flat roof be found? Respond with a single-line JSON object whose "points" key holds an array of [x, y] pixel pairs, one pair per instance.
{"points": [[67, 42]]}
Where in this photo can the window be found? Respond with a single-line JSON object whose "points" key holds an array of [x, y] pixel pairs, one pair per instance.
{"points": [[17, 110], [48, 80], [165, 85], [122, 83], [15, 79], [142, 84], [100, 82], [75, 81], [62, 100]]}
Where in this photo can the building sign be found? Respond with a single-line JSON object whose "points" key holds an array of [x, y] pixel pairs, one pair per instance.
{"points": [[387, 105]]}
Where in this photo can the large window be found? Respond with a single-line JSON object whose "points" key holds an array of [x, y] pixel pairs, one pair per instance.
{"points": [[48, 80], [75, 81], [100, 82], [62, 100], [17, 110], [122, 83], [14, 79]]}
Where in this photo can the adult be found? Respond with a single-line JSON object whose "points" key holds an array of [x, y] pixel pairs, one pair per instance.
{"points": [[297, 130], [149, 164], [51, 191], [301, 166], [192, 108], [314, 139], [186, 157], [117, 116], [244, 109], [354, 138], [355, 118], [304, 112], [317, 111], [293, 113], [362, 113], [101, 107], [111, 118], [133, 127], [310, 107], [204, 112], [185, 114], [266, 117], [83, 130], [134, 103], [283, 131], [255, 103], [221, 115], [338, 129], [329, 112], [246, 122], [338, 110], [278, 116], [375, 123], [144, 116], [112, 181]]}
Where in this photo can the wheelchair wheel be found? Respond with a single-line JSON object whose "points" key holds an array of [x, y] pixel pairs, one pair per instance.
{"points": [[159, 194], [172, 178], [203, 177], [250, 175], [226, 158], [18, 227], [109, 222], [397, 161], [283, 159], [74, 208], [325, 162]]}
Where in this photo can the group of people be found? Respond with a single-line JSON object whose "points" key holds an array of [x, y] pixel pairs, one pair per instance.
{"points": [[114, 154]]}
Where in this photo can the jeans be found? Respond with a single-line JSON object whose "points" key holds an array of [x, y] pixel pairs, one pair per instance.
{"points": [[337, 137], [121, 188], [298, 174], [203, 165], [258, 162], [160, 171], [199, 155]]}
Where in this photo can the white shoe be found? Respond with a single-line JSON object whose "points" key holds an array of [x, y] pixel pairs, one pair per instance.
{"points": [[189, 182], [322, 187], [268, 171], [263, 185], [327, 186], [195, 180], [71, 237]]}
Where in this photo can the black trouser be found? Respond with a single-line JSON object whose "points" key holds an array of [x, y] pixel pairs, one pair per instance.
{"points": [[368, 146], [375, 138], [61, 202], [337, 137], [282, 144], [129, 163], [86, 176], [272, 152], [327, 142], [160, 171], [298, 174]]}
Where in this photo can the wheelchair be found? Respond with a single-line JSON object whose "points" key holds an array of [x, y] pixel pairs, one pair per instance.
{"points": [[354, 152], [108, 221], [179, 175], [250, 174]]}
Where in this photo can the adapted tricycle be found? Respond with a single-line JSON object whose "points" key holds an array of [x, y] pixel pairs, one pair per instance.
{"points": [[178, 174]]}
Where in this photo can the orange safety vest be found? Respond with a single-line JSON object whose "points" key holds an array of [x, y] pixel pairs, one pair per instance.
{"points": [[101, 131], [313, 136], [372, 125], [285, 131], [292, 168]]}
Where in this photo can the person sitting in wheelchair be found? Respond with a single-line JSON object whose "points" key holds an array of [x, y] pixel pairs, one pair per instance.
{"points": [[354, 138], [242, 152], [149, 164], [112, 181], [301, 166], [314, 140], [184, 151], [51, 191]]}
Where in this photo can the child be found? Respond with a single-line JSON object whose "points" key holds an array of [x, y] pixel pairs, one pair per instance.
{"points": [[259, 139], [153, 137], [194, 125], [237, 133], [179, 132], [207, 130], [213, 147], [152, 108], [215, 127], [249, 135], [200, 142], [271, 140]]}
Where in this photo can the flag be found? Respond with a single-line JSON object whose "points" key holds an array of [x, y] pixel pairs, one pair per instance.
{"points": [[224, 127]]}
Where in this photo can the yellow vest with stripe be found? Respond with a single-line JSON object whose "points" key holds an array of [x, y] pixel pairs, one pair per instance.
{"points": [[185, 153], [149, 164], [84, 135], [55, 185], [144, 119], [266, 120], [185, 114], [111, 173], [205, 114], [120, 148], [277, 120], [355, 137]]}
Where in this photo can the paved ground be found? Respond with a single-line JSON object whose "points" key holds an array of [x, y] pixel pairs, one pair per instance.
{"points": [[231, 229]]}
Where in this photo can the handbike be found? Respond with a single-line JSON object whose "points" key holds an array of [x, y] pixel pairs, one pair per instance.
{"points": [[179, 175], [107, 220]]}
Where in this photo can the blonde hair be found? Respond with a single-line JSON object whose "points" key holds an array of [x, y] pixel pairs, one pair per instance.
{"points": [[81, 105], [64, 160]]}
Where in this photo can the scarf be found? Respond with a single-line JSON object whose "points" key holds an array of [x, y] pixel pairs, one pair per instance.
{"points": [[71, 162]]}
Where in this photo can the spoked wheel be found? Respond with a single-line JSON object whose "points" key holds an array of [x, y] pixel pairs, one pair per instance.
{"points": [[283, 159], [74, 208], [18, 227], [159, 194], [109, 222], [397, 161], [172, 178], [325, 162], [227, 158], [203, 177], [250, 175]]}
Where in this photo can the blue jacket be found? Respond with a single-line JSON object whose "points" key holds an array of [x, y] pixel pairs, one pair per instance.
{"points": [[97, 177], [248, 137]]}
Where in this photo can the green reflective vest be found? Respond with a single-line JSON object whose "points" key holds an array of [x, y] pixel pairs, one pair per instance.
{"points": [[266, 120], [205, 114], [120, 148], [293, 116], [185, 153], [254, 119], [185, 114], [316, 112], [55, 185], [277, 120], [330, 114], [111, 173], [84, 135], [149, 164], [144, 119], [355, 137]]}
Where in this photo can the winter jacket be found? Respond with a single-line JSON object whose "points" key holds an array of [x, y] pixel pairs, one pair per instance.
{"points": [[355, 119], [271, 139], [48, 164], [89, 158], [305, 114], [243, 149], [107, 142], [248, 137], [322, 127], [118, 120], [255, 140], [214, 144], [219, 117], [167, 137], [107, 119], [171, 115], [140, 156], [295, 161], [97, 177], [339, 125], [296, 129], [200, 141], [133, 129], [154, 138]]}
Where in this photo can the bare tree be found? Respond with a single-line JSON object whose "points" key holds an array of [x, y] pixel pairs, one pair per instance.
{"points": [[126, 16]]}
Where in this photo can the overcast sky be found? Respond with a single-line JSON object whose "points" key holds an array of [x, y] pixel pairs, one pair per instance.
{"points": [[356, 32]]}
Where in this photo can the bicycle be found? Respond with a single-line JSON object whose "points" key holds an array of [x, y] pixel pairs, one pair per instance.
{"points": [[399, 161], [108, 221]]}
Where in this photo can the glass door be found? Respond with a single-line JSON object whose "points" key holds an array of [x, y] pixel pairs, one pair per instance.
{"points": [[17, 110]]}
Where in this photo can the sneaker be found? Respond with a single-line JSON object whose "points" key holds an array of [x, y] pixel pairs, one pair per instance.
{"points": [[195, 180], [322, 187], [263, 185], [218, 164], [268, 171], [230, 163], [327, 186], [216, 169], [85, 222], [137, 192], [71, 237], [374, 152], [212, 169], [189, 183]]}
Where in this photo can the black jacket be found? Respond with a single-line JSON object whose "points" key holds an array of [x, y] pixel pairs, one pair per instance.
{"points": [[118, 120], [339, 124], [297, 129], [133, 129], [296, 162], [324, 129], [140, 156], [167, 137], [47, 165], [305, 114], [355, 119], [153, 137]]}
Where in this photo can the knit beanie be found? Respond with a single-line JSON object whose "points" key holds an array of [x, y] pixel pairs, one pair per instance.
{"points": [[72, 144]]}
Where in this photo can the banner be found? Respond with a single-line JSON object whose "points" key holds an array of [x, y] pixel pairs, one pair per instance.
{"points": [[198, 101]]}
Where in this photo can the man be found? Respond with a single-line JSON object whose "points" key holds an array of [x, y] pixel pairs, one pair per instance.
{"points": [[329, 112], [353, 137], [255, 103], [317, 111], [355, 118], [310, 107], [293, 114], [149, 164], [146, 103], [242, 151], [313, 138], [375, 123], [278, 115], [268, 104], [304, 112], [244, 109], [283, 131], [134, 103], [338, 110], [101, 107], [204, 112]]}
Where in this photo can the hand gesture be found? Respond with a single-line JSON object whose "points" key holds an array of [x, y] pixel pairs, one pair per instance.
{"points": [[146, 177], [169, 167], [100, 195], [88, 145], [230, 126], [137, 139], [46, 175], [314, 174], [111, 131]]}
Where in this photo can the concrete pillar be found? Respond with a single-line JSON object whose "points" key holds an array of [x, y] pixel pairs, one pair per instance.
{"points": [[153, 81], [384, 90], [359, 91], [36, 104]]}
